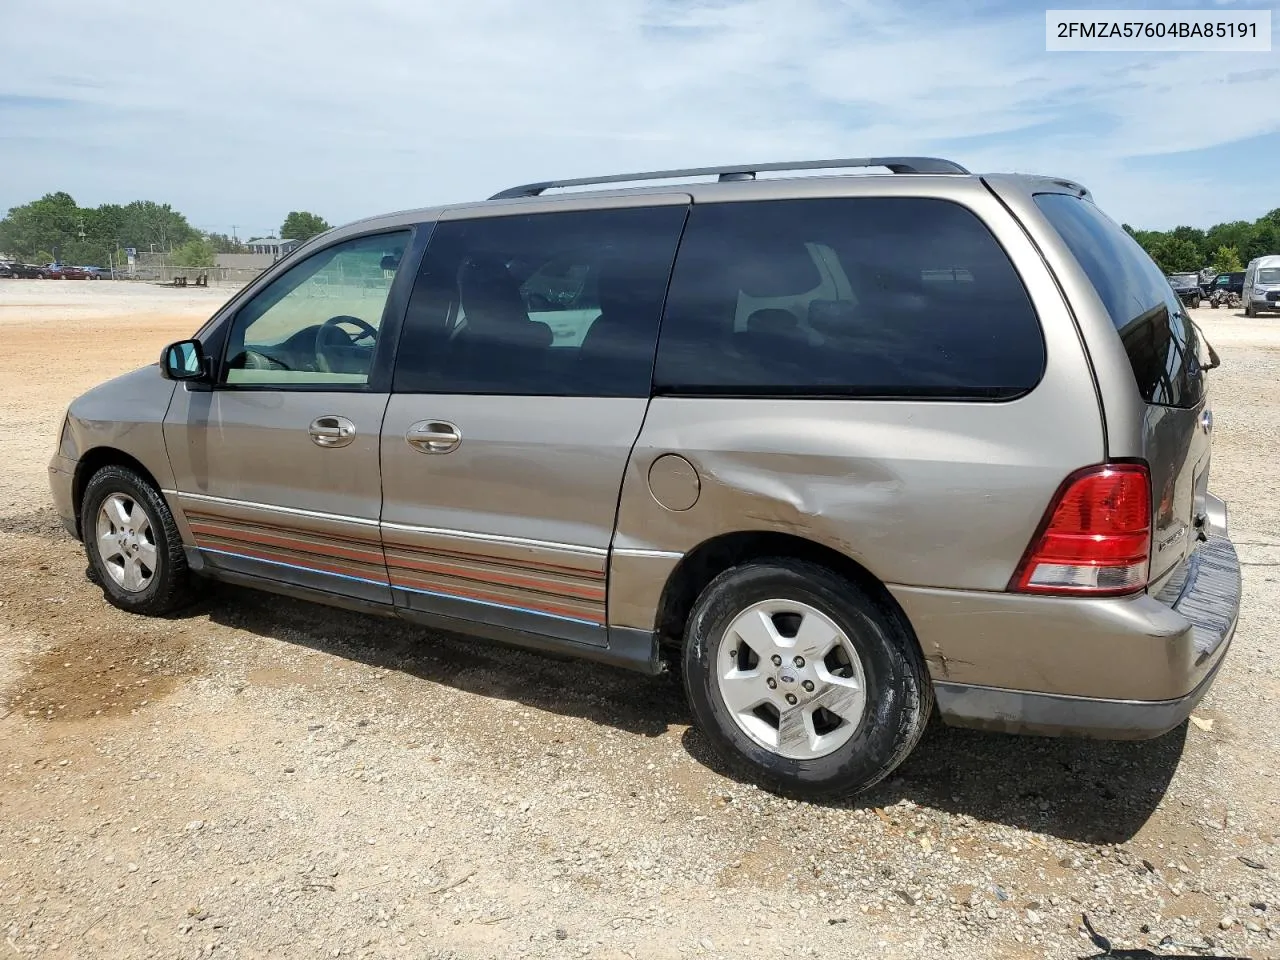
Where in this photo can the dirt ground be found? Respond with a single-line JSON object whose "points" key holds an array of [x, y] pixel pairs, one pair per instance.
{"points": [[260, 777]]}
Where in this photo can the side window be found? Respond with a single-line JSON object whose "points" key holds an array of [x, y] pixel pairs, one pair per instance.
{"points": [[866, 296], [546, 304], [318, 322]]}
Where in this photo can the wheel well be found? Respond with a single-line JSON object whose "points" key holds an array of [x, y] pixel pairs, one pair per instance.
{"points": [[710, 559], [93, 461]]}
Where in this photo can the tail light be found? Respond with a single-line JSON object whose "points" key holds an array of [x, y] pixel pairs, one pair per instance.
{"points": [[1095, 539]]}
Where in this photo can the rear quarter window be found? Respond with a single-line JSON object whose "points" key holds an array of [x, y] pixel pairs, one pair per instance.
{"points": [[878, 297], [1158, 336]]}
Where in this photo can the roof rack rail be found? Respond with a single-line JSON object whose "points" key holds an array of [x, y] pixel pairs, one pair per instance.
{"points": [[742, 172]]}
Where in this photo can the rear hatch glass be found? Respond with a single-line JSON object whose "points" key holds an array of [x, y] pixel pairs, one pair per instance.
{"points": [[1164, 352]]}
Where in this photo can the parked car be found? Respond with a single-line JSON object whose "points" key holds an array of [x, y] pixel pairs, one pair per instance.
{"points": [[7, 271], [693, 427], [96, 273], [69, 272], [1261, 284], [28, 271], [1187, 287]]}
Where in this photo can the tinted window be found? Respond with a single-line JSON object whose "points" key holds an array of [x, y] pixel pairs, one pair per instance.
{"points": [[1158, 336], [887, 297], [549, 304], [317, 323]]}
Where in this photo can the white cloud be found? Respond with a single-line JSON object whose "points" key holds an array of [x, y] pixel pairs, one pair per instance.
{"points": [[240, 112]]}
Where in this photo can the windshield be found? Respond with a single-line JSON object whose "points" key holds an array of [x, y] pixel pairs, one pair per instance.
{"points": [[1269, 275]]}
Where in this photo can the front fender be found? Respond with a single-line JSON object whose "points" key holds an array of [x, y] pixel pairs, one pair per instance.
{"points": [[126, 415]]}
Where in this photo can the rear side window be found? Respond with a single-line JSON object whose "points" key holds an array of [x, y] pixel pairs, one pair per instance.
{"points": [[547, 304], [867, 296], [1158, 336]]}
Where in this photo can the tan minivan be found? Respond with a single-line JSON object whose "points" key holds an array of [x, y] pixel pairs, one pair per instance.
{"points": [[840, 446]]}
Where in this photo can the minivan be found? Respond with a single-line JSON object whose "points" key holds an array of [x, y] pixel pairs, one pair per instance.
{"points": [[841, 449]]}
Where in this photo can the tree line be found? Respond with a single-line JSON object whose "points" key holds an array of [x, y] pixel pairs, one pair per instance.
{"points": [[55, 227], [1224, 248]]}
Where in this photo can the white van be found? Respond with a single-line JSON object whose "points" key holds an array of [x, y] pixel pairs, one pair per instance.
{"points": [[1261, 285]]}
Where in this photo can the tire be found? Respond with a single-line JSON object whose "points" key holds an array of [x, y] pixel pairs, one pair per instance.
{"points": [[1213, 304], [159, 583], [1249, 311], [1195, 303], [864, 746]]}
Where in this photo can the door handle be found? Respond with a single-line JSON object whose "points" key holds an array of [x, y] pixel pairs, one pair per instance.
{"points": [[433, 436], [332, 431]]}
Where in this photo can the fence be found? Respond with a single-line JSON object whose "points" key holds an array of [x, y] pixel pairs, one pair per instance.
{"points": [[159, 268]]}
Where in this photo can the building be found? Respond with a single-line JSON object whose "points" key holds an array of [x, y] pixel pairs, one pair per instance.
{"points": [[245, 261], [272, 246]]}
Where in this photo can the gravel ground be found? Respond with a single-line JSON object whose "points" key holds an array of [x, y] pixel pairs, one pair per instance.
{"points": [[259, 777]]}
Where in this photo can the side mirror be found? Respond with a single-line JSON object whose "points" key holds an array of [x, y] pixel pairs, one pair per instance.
{"points": [[184, 360]]}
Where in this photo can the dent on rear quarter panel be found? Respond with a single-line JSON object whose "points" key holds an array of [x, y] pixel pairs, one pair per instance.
{"points": [[928, 493]]}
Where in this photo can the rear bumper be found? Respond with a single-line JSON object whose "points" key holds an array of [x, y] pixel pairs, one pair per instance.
{"points": [[1126, 668], [1054, 715]]}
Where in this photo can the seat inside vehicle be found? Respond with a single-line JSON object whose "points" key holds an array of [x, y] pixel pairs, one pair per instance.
{"points": [[494, 339]]}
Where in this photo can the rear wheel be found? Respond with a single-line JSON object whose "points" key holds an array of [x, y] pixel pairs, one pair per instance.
{"points": [[1249, 311], [802, 681], [1195, 303], [134, 549]]}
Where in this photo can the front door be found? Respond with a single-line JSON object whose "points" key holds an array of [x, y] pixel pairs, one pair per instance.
{"points": [[277, 465], [521, 383]]}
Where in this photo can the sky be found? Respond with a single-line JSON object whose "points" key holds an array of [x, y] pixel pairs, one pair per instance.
{"points": [[239, 111]]}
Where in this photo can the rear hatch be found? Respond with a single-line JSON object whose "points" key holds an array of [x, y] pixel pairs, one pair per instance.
{"points": [[1166, 354]]}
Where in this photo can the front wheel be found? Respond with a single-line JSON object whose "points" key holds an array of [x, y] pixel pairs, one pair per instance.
{"points": [[133, 545], [802, 681]]}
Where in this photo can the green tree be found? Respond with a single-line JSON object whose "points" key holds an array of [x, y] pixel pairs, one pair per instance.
{"points": [[1176, 255], [1195, 237], [1264, 242], [1236, 234], [49, 223], [197, 252], [144, 224], [1227, 260], [302, 226], [89, 236], [225, 244]]}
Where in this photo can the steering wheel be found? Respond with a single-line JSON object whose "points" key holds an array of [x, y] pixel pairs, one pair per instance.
{"points": [[330, 334]]}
